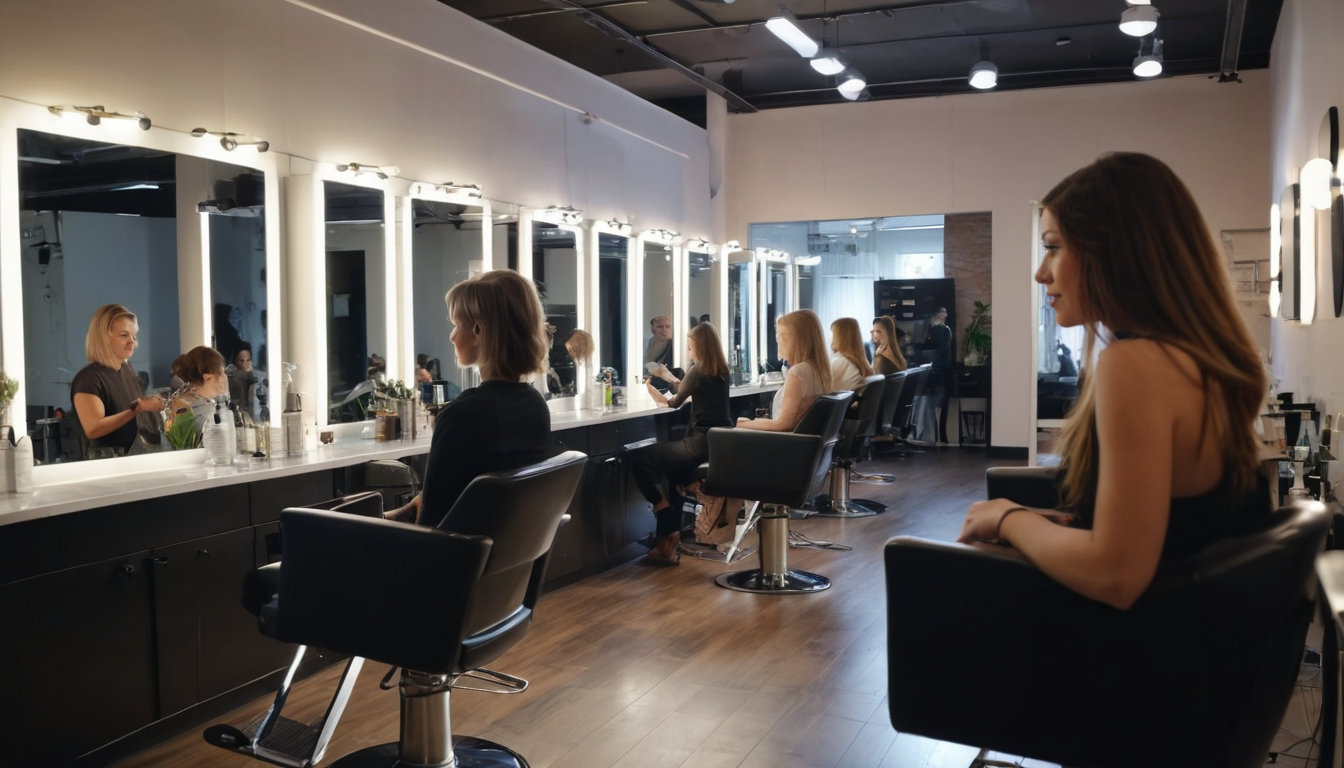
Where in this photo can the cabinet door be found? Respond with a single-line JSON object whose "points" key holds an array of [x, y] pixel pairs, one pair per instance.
{"points": [[635, 510], [78, 650]]}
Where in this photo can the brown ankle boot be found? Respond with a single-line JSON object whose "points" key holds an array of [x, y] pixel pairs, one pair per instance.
{"points": [[665, 553]]}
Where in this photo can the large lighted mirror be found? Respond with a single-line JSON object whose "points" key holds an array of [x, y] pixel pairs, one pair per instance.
{"points": [[99, 226], [1332, 222], [774, 305], [1290, 237], [700, 288], [802, 282], [356, 291], [613, 308], [555, 271], [740, 303], [236, 220], [447, 247], [659, 338]]}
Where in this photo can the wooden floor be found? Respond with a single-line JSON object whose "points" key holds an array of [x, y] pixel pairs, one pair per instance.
{"points": [[647, 666]]}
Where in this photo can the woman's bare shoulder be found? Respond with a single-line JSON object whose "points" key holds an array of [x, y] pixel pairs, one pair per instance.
{"points": [[1131, 358]]}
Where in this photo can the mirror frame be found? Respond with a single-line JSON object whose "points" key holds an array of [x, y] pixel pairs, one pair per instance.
{"points": [[634, 275], [405, 261], [306, 270], [753, 312], [716, 274], [1290, 259], [678, 287], [193, 276], [1332, 222], [765, 262]]}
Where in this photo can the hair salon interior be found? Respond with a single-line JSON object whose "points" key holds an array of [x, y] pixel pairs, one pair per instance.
{"points": [[297, 183]]}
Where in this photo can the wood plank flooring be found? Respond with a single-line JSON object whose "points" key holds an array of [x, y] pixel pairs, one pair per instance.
{"points": [[646, 666]]}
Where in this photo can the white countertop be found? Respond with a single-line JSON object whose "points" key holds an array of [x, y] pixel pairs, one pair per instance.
{"points": [[87, 485]]}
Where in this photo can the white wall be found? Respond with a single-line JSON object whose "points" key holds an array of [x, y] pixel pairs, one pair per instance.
{"points": [[411, 83], [1306, 79], [997, 152]]}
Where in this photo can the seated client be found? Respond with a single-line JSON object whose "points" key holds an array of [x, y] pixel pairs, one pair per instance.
{"points": [[672, 464], [849, 366], [1159, 451], [800, 343], [500, 329]]}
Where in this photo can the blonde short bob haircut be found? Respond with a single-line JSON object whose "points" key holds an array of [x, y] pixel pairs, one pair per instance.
{"points": [[505, 311], [98, 342]]}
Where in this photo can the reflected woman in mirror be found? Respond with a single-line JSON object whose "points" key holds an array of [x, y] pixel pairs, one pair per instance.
{"points": [[242, 379], [887, 357], [849, 366], [802, 344], [107, 393], [659, 468], [201, 371], [1160, 455], [499, 328]]}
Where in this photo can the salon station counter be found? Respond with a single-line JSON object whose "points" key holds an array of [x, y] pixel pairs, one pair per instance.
{"points": [[129, 585]]}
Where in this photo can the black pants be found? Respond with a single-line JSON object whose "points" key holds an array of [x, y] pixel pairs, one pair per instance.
{"points": [[669, 465], [943, 380]]}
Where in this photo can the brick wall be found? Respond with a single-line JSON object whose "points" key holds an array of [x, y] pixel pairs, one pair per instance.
{"points": [[966, 259]]}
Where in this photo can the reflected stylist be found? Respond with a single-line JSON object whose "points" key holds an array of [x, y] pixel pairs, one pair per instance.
{"points": [[106, 392]]}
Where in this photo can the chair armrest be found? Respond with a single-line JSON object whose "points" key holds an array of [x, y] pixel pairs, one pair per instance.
{"points": [[1330, 571], [388, 591], [772, 467], [1030, 486]]}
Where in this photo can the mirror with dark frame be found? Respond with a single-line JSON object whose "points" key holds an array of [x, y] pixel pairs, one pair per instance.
{"points": [[659, 340], [613, 310], [355, 299], [555, 271], [774, 284], [446, 248], [99, 226], [739, 317], [1334, 222], [1290, 258], [237, 230]]}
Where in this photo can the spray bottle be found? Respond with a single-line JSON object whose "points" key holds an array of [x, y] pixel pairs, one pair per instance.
{"points": [[292, 417]]}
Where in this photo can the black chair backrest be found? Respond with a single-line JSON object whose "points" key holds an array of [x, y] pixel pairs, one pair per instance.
{"points": [[861, 421], [823, 419], [915, 380], [891, 395], [426, 599]]}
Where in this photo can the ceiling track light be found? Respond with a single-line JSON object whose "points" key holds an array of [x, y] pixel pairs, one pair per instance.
{"points": [[1150, 65], [1139, 20], [852, 83], [230, 140], [984, 75], [359, 169], [96, 114], [829, 63], [786, 28]]}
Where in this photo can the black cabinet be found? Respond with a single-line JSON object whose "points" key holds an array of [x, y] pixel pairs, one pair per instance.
{"points": [[79, 663]]}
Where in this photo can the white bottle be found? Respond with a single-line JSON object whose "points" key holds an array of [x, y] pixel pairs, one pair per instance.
{"points": [[218, 438]]}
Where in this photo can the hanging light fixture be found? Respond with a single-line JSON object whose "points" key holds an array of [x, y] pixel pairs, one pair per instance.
{"points": [[1139, 20], [852, 84], [786, 28], [984, 75], [829, 63], [1150, 65]]}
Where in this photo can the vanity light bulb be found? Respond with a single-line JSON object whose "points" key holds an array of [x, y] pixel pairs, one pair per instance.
{"points": [[144, 123], [229, 143], [1316, 177]]}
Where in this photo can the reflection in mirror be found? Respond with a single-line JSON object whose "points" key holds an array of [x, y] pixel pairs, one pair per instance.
{"points": [[446, 248], [99, 226], [803, 284], [1290, 236], [659, 343], [237, 224], [356, 338], [739, 312], [699, 287], [613, 311], [555, 270], [775, 295]]}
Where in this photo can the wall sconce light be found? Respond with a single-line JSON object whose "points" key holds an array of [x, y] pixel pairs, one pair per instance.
{"points": [[662, 236], [806, 261], [95, 115], [557, 215], [1317, 176], [1139, 20], [732, 246], [1275, 253], [382, 172], [1150, 65], [618, 228], [786, 28], [698, 245], [772, 254], [852, 84], [229, 140], [446, 188]]}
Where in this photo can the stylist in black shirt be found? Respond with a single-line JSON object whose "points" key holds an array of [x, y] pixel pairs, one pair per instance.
{"points": [[500, 328], [106, 393], [706, 386]]}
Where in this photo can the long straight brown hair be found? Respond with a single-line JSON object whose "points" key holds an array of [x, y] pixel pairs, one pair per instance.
{"points": [[893, 342], [809, 344], [1148, 265], [847, 341], [709, 351]]}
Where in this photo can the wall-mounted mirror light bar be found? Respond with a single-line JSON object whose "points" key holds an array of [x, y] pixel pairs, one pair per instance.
{"points": [[557, 215], [231, 141], [95, 115], [661, 236]]}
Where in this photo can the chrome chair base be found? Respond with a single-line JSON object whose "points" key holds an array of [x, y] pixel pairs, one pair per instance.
{"points": [[855, 476], [847, 508], [787, 583], [711, 552], [469, 752]]}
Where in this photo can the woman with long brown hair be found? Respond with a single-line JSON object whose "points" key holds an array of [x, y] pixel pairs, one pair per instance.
{"points": [[802, 344], [849, 366], [1159, 451], [887, 357], [659, 468]]}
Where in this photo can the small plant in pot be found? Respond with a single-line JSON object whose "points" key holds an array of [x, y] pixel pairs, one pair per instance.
{"points": [[976, 341]]}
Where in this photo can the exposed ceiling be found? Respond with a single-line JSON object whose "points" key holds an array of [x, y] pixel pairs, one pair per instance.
{"points": [[658, 48]]}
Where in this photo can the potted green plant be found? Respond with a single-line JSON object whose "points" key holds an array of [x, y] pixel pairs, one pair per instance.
{"points": [[8, 389], [975, 340]]}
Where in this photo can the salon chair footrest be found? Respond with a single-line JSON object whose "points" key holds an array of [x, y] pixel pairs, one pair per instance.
{"points": [[713, 553], [788, 583], [290, 742], [876, 506], [470, 752], [847, 508]]}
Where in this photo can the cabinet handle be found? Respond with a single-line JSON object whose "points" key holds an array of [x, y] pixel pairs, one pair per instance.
{"points": [[159, 561], [127, 570], [202, 553]]}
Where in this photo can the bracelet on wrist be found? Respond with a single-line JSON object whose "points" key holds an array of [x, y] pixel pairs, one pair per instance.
{"points": [[998, 529]]}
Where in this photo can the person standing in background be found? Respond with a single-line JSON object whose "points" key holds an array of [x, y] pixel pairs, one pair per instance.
{"points": [[939, 344]]}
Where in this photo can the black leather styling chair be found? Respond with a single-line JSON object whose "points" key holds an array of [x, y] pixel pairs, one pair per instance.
{"points": [[1330, 572], [438, 604], [778, 470], [860, 424], [903, 422], [984, 649], [891, 395]]}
